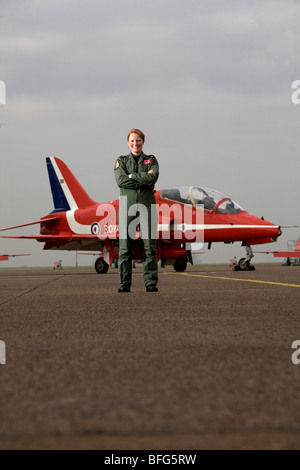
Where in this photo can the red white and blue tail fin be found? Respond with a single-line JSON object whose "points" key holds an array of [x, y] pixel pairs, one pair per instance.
{"points": [[67, 192]]}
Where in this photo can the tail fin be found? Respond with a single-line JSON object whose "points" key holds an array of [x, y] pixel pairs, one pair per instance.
{"points": [[67, 192]]}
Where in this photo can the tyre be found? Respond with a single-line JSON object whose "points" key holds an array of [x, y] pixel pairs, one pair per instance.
{"points": [[243, 264], [180, 264], [101, 266]]}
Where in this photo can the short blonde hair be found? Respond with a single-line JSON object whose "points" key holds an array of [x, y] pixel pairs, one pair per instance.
{"points": [[138, 132]]}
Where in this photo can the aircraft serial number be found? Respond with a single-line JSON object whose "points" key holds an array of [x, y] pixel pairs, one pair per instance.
{"points": [[111, 228]]}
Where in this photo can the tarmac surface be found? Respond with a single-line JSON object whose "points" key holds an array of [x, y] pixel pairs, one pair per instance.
{"points": [[205, 363]]}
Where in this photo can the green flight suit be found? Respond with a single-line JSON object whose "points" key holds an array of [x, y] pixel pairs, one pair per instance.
{"points": [[139, 189]]}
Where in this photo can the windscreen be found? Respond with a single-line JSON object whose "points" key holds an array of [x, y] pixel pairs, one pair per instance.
{"points": [[202, 198]]}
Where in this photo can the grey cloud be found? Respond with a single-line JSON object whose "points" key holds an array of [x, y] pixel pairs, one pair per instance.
{"points": [[115, 46]]}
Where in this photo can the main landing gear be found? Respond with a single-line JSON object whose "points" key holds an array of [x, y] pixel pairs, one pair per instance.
{"points": [[101, 266], [244, 263], [181, 262]]}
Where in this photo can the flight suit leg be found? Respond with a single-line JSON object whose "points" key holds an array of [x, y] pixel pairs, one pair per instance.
{"points": [[150, 263], [125, 262], [148, 233], [125, 245]]}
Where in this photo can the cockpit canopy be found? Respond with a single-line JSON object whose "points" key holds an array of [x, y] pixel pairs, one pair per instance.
{"points": [[202, 198]]}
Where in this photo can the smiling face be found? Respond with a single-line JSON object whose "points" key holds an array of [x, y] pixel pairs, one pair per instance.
{"points": [[135, 143]]}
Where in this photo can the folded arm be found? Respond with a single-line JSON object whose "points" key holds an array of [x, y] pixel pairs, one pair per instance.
{"points": [[123, 180], [147, 178]]}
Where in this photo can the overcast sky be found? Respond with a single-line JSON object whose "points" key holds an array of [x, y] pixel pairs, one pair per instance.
{"points": [[208, 81]]}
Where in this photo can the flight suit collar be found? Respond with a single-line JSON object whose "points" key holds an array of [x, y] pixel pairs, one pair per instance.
{"points": [[137, 159]]}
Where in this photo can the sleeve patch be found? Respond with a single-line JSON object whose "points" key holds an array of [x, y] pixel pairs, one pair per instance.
{"points": [[117, 164]]}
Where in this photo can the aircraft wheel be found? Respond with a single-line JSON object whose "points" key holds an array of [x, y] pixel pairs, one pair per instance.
{"points": [[101, 266], [243, 264], [180, 264]]}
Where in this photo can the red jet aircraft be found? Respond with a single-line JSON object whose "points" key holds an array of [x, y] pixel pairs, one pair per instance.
{"points": [[187, 216], [295, 253], [5, 257]]}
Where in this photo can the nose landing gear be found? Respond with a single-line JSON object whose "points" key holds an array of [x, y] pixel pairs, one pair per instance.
{"points": [[244, 263]]}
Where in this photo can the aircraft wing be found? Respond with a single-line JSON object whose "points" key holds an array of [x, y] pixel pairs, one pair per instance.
{"points": [[38, 237], [46, 219], [54, 237], [94, 253], [68, 241], [282, 254], [5, 257], [18, 254]]}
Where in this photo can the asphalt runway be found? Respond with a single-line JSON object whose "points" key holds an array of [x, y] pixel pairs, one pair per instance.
{"points": [[205, 363]]}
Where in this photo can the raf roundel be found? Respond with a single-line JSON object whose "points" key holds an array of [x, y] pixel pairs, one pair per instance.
{"points": [[95, 228]]}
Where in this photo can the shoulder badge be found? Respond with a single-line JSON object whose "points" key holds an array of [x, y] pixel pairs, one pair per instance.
{"points": [[117, 164]]}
